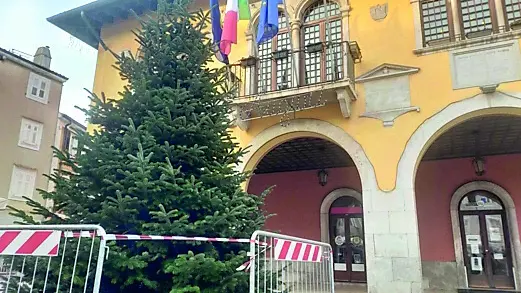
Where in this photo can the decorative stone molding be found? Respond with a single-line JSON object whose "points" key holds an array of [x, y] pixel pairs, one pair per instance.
{"points": [[326, 205], [244, 125], [510, 209], [379, 11], [485, 65], [387, 92], [386, 70], [344, 100], [388, 116]]}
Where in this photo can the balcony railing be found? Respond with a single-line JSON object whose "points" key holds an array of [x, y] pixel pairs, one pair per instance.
{"points": [[314, 64]]}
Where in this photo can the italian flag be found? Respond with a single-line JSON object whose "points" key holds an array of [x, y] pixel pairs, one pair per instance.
{"points": [[235, 10]]}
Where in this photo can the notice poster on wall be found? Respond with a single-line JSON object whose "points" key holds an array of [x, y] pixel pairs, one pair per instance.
{"points": [[473, 239], [494, 234], [474, 249], [475, 263]]}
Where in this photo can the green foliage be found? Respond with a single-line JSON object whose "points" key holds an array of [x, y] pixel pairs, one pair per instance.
{"points": [[161, 162]]}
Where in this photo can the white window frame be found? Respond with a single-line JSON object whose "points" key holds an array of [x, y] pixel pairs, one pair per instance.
{"points": [[35, 82], [29, 176], [24, 135]]}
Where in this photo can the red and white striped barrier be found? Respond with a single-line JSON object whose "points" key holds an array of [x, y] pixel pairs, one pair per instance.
{"points": [[113, 237], [297, 251], [29, 242]]}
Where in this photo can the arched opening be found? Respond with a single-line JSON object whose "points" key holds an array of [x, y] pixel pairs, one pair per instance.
{"points": [[316, 187], [467, 220]]}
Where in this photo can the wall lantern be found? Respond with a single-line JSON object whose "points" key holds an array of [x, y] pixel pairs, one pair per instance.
{"points": [[479, 166], [322, 177]]}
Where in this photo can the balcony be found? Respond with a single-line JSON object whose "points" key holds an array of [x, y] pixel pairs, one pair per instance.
{"points": [[286, 82]]}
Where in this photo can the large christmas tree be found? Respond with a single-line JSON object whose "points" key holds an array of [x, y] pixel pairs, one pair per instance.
{"points": [[162, 162]]}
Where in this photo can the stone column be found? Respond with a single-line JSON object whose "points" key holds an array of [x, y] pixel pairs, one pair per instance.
{"points": [[295, 39], [456, 23], [418, 32], [392, 241], [344, 12], [500, 13]]}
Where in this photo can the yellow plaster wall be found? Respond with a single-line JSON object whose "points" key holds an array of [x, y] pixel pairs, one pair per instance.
{"points": [[391, 40]]}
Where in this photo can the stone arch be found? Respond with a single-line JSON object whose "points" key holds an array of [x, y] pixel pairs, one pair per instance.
{"points": [[510, 209], [326, 205], [304, 4], [436, 125], [271, 137]]}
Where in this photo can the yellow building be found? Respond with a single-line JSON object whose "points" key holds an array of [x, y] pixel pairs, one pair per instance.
{"points": [[393, 132]]}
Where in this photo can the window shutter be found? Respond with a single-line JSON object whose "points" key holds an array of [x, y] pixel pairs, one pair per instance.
{"points": [[19, 177], [27, 188], [34, 135]]}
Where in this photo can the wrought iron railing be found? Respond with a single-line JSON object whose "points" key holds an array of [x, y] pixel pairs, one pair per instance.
{"points": [[314, 64]]}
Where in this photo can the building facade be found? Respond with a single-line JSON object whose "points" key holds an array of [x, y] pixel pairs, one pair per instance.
{"points": [[66, 141], [30, 92], [391, 129]]}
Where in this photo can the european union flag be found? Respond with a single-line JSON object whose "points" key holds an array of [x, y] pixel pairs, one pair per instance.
{"points": [[215, 15], [268, 20]]}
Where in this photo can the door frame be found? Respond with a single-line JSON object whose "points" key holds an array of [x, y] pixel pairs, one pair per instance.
{"points": [[326, 206], [483, 232], [349, 275], [511, 224]]}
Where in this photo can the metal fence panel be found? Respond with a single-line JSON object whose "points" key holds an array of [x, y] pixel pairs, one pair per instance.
{"points": [[281, 263], [51, 258]]}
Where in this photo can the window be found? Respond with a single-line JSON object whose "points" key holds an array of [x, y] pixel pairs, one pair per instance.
{"points": [[513, 12], [30, 134], [317, 33], [275, 54], [38, 88], [472, 18], [435, 18], [476, 18], [73, 145], [22, 183], [480, 200]]}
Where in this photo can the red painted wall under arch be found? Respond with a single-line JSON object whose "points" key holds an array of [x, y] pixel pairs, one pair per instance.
{"points": [[297, 197]]}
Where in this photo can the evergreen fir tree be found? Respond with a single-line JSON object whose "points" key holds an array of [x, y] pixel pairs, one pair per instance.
{"points": [[162, 162]]}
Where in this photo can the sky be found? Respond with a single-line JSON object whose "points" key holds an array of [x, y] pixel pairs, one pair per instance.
{"points": [[24, 27]]}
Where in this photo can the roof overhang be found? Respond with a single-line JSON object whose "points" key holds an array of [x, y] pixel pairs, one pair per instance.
{"points": [[98, 14]]}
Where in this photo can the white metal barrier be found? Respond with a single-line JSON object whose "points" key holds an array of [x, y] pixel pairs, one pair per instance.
{"points": [[51, 258], [281, 263]]}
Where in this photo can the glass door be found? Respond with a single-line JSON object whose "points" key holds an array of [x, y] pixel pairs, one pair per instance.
{"points": [[486, 246], [347, 240]]}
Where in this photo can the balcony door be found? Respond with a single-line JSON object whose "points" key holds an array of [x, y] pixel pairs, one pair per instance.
{"points": [[321, 40], [486, 242], [347, 239]]}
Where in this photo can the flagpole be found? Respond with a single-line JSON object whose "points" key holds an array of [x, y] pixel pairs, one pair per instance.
{"points": [[290, 34]]}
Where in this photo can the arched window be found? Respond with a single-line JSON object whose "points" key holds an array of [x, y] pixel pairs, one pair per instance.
{"points": [[322, 32], [275, 60], [480, 201]]}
